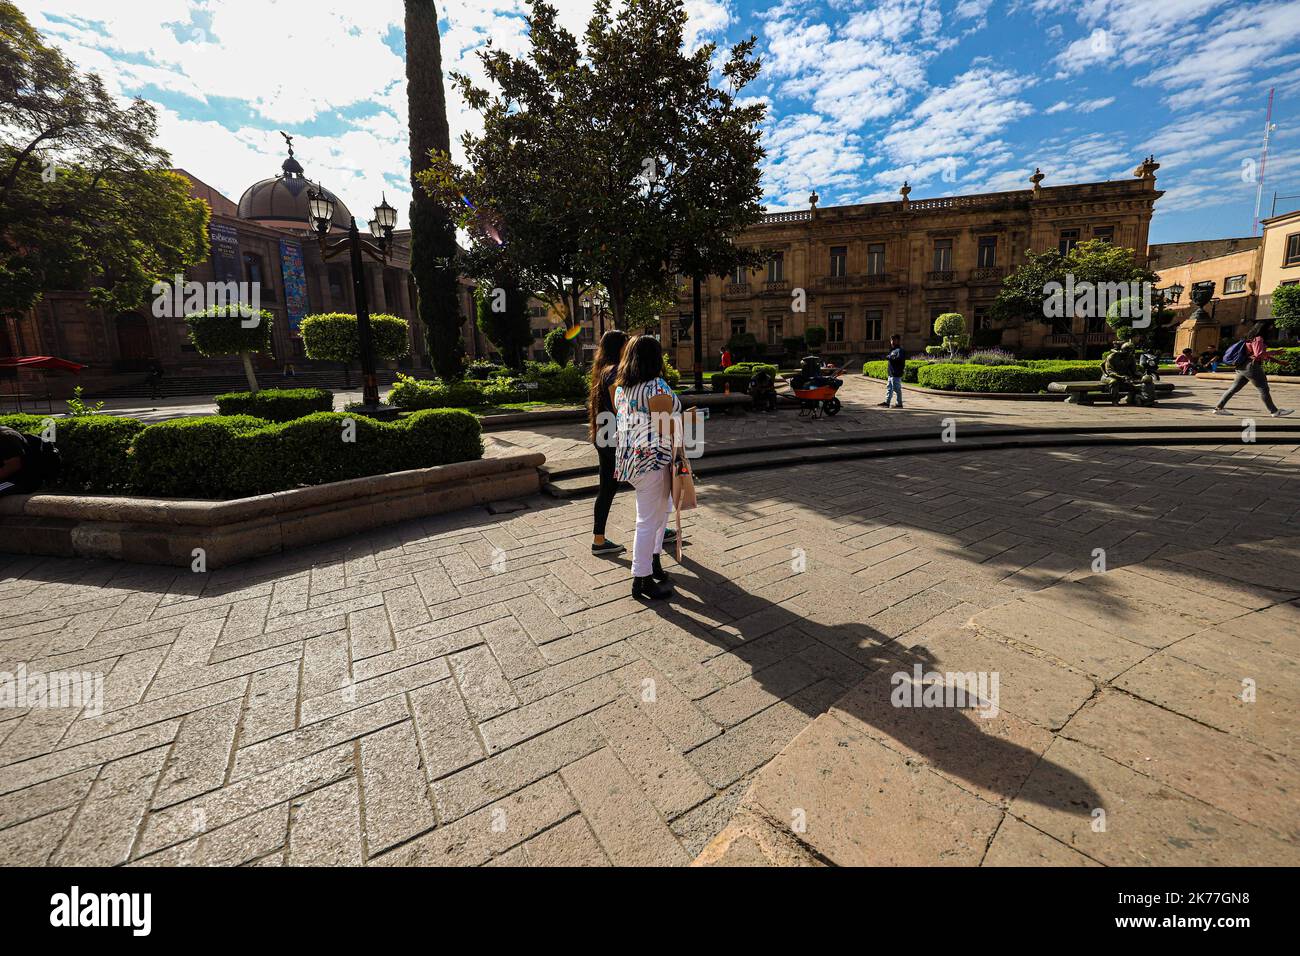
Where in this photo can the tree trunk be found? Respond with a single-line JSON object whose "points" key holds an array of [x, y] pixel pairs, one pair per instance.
{"points": [[248, 371], [433, 236]]}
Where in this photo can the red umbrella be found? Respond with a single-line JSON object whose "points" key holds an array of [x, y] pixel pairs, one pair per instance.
{"points": [[41, 361]]}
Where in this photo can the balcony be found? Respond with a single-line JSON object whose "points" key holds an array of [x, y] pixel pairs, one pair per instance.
{"points": [[734, 290], [940, 275], [987, 273], [776, 285], [877, 278]]}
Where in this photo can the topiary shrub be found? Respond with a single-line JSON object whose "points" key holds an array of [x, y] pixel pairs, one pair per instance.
{"points": [[232, 330], [559, 348], [238, 456], [333, 337], [814, 336], [93, 448], [276, 404], [951, 328]]}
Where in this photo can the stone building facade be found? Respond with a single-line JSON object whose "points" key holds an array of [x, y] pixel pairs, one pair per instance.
{"points": [[1279, 258], [1230, 264], [261, 238], [869, 271]]}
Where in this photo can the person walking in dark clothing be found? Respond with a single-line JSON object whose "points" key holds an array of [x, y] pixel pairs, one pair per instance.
{"points": [[1248, 357], [154, 379]]}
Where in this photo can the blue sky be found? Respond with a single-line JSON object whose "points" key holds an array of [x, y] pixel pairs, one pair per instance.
{"points": [[956, 96]]}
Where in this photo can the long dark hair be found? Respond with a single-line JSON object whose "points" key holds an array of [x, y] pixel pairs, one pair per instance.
{"points": [[643, 361], [607, 358]]}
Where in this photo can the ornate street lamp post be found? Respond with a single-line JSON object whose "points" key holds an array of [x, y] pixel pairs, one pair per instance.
{"points": [[320, 208]]}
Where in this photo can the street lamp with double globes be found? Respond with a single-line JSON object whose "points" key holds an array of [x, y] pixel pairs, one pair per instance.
{"points": [[320, 211]]}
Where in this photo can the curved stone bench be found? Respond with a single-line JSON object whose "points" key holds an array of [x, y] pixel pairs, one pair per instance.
{"points": [[1082, 393], [167, 530]]}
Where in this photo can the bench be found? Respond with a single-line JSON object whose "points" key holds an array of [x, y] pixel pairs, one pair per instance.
{"points": [[32, 398], [1082, 393]]}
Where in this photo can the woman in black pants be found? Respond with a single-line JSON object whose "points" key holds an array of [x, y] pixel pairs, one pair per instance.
{"points": [[603, 433]]}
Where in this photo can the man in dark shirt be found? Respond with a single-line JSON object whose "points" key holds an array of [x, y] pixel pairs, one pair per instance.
{"points": [[13, 458], [897, 361]]}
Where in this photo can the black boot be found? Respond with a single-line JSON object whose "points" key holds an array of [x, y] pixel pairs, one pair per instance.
{"points": [[659, 574], [648, 587]]}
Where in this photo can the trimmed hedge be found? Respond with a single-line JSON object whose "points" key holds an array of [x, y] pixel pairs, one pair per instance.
{"points": [[1004, 378], [880, 369], [738, 375], [277, 404], [237, 456], [93, 448], [1288, 363]]}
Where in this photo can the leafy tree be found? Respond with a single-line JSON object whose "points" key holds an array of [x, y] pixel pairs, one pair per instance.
{"points": [[1030, 293], [231, 330], [617, 158], [1286, 308], [433, 233], [503, 318], [951, 328], [645, 308], [86, 201], [333, 337], [815, 336], [1120, 316], [557, 346]]}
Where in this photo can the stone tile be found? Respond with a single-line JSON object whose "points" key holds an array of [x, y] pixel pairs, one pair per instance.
{"points": [[624, 821], [396, 805], [1145, 823], [325, 827]]}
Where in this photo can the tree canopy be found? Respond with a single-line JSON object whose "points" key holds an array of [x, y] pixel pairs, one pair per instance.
{"points": [[614, 159], [1035, 290], [86, 200]]}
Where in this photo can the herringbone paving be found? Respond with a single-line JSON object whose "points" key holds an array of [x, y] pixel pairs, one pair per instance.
{"points": [[476, 688]]}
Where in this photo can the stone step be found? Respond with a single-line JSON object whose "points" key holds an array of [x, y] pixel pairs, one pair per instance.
{"points": [[573, 480]]}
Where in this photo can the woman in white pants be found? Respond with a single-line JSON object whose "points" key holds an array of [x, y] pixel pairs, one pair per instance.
{"points": [[647, 411]]}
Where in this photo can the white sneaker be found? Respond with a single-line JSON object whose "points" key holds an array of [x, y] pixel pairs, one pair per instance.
{"points": [[1220, 411], [1283, 411]]}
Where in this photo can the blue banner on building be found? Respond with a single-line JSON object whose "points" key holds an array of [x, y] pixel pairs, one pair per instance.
{"points": [[295, 282]]}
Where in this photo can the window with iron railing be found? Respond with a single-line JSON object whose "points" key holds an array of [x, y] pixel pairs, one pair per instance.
{"points": [[942, 255], [776, 267], [875, 325], [835, 327], [987, 257], [839, 261], [876, 259]]}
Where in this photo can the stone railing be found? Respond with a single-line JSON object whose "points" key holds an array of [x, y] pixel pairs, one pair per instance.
{"points": [[801, 215]]}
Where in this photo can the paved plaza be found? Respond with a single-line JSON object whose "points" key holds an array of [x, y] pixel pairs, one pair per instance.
{"points": [[477, 688]]}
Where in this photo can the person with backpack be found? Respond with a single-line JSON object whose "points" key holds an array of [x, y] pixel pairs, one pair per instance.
{"points": [[1247, 356], [25, 462]]}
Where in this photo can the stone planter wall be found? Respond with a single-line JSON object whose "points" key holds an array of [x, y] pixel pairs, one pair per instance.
{"points": [[167, 530]]}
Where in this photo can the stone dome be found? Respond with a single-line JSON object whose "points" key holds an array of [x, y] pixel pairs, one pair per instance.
{"points": [[281, 201]]}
